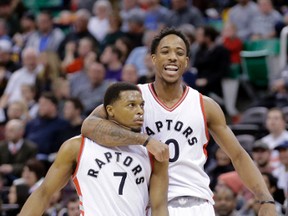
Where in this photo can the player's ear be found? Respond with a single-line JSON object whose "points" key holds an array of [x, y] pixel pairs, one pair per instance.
{"points": [[153, 57], [110, 111], [186, 62]]}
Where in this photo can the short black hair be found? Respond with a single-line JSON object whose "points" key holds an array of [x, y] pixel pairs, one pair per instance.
{"points": [[113, 92], [210, 32], [51, 97], [76, 103], [164, 33]]}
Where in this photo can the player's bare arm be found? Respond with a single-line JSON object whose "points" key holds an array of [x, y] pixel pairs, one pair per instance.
{"points": [[159, 188], [242, 162], [56, 178], [97, 128]]}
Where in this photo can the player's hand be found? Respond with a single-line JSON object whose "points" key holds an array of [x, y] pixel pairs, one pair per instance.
{"points": [[158, 149], [267, 210]]}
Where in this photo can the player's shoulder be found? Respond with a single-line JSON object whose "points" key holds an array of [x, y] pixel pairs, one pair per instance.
{"points": [[72, 146]]}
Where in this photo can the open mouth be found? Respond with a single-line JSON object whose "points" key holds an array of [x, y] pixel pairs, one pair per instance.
{"points": [[172, 68]]}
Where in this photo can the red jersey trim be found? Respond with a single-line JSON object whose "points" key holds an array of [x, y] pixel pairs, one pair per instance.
{"points": [[79, 156], [186, 90], [206, 127]]}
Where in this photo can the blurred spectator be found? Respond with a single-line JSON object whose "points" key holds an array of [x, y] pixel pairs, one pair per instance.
{"points": [[54, 205], [18, 195], [111, 58], [51, 69], [83, 4], [6, 58], [91, 94], [28, 27], [282, 171], [241, 16], [80, 78], [79, 30], [182, 13], [25, 75], [222, 165], [29, 97], [14, 110], [70, 64], [150, 72], [278, 194], [232, 42], [136, 28], [72, 207], [46, 38], [61, 90], [10, 15], [98, 25], [126, 8], [261, 155], [225, 202], [212, 63], [138, 54], [4, 31], [276, 126], [233, 181], [124, 44], [264, 21], [156, 15], [45, 128], [4, 77], [129, 74], [32, 175], [73, 110], [114, 31], [15, 150]]}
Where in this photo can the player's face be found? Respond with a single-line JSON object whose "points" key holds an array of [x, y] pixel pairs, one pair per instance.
{"points": [[170, 59], [128, 110]]}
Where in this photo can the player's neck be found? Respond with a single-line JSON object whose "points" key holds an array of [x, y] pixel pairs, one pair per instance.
{"points": [[169, 94]]}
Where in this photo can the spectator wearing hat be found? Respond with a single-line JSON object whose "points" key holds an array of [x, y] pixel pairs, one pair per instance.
{"points": [[7, 60], [282, 171], [46, 127], [261, 155]]}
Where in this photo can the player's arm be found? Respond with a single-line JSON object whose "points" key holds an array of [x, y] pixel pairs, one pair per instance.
{"points": [[159, 188], [242, 162], [56, 178], [97, 128]]}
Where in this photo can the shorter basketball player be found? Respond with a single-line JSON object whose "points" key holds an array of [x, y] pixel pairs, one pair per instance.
{"points": [[109, 181]]}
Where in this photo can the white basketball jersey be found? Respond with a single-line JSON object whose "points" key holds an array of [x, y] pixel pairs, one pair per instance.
{"points": [[112, 181], [183, 128]]}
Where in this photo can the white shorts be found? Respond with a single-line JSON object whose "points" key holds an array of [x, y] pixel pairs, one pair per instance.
{"points": [[190, 206]]}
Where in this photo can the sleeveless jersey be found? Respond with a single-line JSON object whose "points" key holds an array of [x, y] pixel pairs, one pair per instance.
{"points": [[112, 181], [182, 127]]}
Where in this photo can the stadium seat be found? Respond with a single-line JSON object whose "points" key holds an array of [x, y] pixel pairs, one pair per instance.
{"points": [[271, 45], [255, 65], [254, 115]]}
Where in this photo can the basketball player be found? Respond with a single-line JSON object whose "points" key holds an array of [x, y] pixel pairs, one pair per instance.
{"points": [[109, 181], [182, 118]]}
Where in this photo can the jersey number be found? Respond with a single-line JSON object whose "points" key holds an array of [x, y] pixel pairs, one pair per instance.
{"points": [[123, 176], [176, 149]]}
